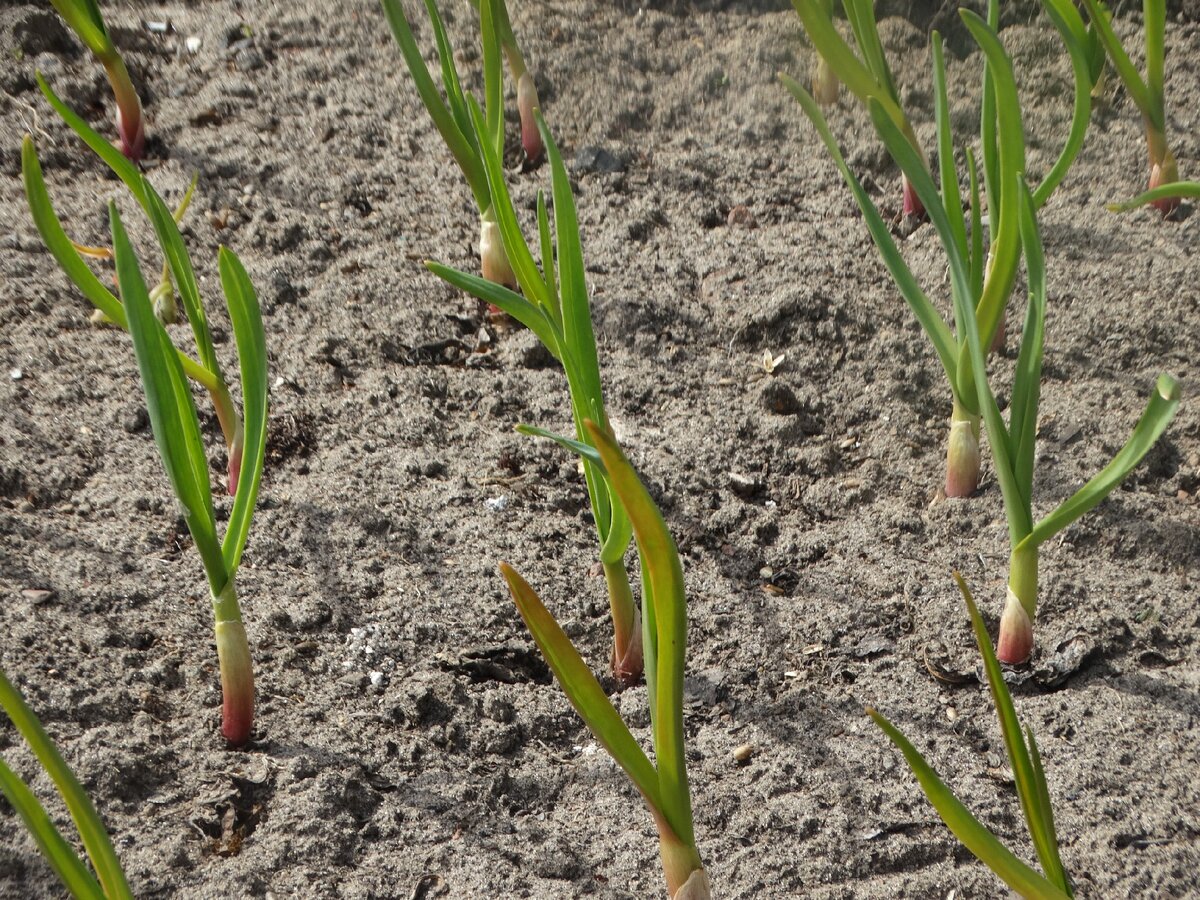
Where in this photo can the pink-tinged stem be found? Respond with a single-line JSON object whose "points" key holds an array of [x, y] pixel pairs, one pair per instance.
{"points": [[231, 427], [912, 203], [962, 453], [627, 626], [1016, 623], [527, 102], [130, 124], [1163, 170], [237, 673]]}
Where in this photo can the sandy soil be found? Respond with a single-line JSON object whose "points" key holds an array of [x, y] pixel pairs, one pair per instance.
{"points": [[817, 552]]}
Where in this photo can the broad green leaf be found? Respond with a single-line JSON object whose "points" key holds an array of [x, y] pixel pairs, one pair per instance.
{"points": [[583, 690], [665, 573], [458, 144], [508, 301], [171, 408], [1138, 91], [70, 869], [100, 145], [861, 15], [87, 821], [927, 315], [969, 830], [1038, 817], [1190, 189], [246, 320], [1026, 391], [1160, 409], [493, 86], [56, 240], [1071, 29], [1006, 248], [576, 311], [450, 83], [1039, 775], [83, 16], [945, 137]]}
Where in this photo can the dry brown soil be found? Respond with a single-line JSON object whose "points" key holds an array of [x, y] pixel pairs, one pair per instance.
{"points": [[816, 550]]}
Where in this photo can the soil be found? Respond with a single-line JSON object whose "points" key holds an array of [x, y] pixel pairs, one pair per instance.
{"points": [[410, 742]]}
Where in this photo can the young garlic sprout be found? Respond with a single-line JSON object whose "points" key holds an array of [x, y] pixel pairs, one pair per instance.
{"points": [[556, 309], [663, 784], [204, 370], [452, 116], [165, 370], [83, 17], [869, 78], [1147, 94], [1052, 883]]}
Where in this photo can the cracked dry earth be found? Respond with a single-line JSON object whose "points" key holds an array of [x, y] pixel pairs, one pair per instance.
{"points": [[410, 743]]}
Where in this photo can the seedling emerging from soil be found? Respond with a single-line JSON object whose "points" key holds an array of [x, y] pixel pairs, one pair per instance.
{"points": [[979, 297], [1052, 883], [1146, 93], [83, 17], [556, 309], [165, 370], [991, 274], [452, 116], [177, 432], [866, 74], [664, 783], [1013, 448], [108, 882], [205, 370]]}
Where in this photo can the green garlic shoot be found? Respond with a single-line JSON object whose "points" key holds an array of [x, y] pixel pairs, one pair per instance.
{"points": [[452, 117], [83, 17], [663, 784], [108, 882], [555, 307], [1050, 884], [204, 369], [1147, 93], [992, 270], [176, 428], [866, 74]]}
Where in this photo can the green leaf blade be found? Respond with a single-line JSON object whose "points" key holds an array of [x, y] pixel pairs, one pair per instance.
{"points": [[245, 319], [87, 821], [582, 688], [660, 557], [1160, 409], [970, 831], [171, 408]]}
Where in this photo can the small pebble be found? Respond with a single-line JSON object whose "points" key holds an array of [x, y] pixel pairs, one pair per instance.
{"points": [[193, 44], [743, 752], [38, 596], [16, 374]]}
